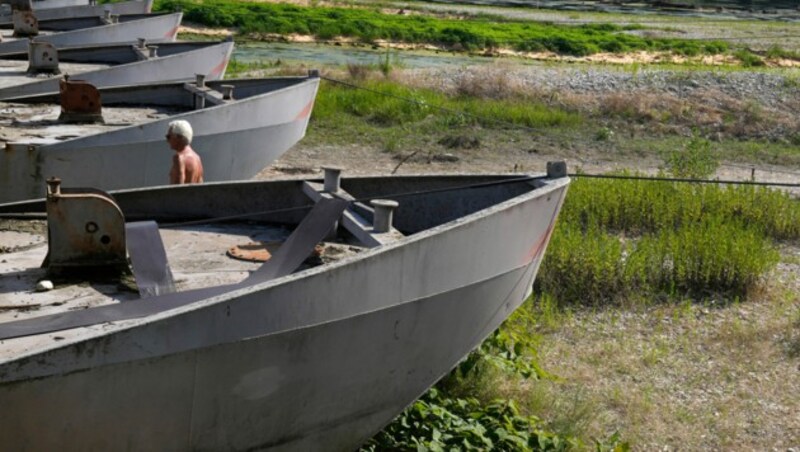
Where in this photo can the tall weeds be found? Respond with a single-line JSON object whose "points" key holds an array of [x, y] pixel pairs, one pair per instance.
{"points": [[630, 239]]}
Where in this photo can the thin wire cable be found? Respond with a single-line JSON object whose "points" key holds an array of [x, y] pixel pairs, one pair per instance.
{"points": [[401, 195], [685, 180], [480, 185], [736, 165], [352, 201]]}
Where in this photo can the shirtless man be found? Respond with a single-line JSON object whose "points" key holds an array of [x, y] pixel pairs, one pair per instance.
{"points": [[186, 165]]}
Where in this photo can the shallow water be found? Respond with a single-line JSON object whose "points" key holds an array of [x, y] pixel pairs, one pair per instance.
{"points": [[343, 55], [779, 10], [643, 4]]}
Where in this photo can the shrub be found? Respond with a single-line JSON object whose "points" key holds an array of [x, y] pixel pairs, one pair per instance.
{"points": [[696, 160]]}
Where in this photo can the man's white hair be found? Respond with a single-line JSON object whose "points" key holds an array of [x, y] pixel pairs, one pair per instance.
{"points": [[183, 128]]}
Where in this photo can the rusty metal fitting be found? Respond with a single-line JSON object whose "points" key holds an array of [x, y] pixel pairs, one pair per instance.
{"points": [[557, 169], [53, 186]]}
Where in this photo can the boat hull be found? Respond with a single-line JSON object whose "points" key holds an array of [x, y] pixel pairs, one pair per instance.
{"points": [[234, 142], [84, 10], [211, 61], [321, 359], [161, 27]]}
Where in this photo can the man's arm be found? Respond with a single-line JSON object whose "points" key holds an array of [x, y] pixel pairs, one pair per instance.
{"points": [[178, 173]]}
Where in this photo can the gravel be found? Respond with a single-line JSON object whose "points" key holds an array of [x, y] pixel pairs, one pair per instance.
{"points": [[774, 91]]}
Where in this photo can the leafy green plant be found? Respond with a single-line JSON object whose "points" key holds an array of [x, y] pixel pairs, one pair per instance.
{"points": [[604, 134], [388, 62], [696, 160], [510, 348], [775, 52], [748, 58], [438, 423]]}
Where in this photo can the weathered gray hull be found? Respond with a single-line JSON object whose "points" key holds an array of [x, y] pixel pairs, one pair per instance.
{"points": [[85, 10], [211, 61], [235, 141], [158, 27], [50, 4], [318, 360]]}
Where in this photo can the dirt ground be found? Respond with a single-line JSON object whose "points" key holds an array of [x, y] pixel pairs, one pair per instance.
{"points": [[307, 160]]}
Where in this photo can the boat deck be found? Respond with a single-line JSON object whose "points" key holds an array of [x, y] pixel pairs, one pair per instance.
{"points": [[197, 256], [39, 124], [14, 72]]}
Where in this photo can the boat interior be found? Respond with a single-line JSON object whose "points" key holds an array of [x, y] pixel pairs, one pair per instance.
{"points": [[82, 248]]}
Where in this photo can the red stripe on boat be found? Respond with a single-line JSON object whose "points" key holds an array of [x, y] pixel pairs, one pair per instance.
{"points": [[172, 33], [306, 111], [538, 248], [218, 69]]}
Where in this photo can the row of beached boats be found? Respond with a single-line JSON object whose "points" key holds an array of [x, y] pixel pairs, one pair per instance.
{"points": [[234, 314]]}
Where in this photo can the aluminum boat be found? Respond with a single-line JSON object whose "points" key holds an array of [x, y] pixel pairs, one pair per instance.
{"points": [[151, 27], [111, 65], [83, 10], [240, 126], [376, 287]]}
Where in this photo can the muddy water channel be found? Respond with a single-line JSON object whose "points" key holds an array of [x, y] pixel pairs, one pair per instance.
{"points": [[262, 52], [761, 9]]}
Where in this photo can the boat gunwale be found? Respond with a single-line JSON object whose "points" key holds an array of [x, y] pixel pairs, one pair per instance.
{"points": [[132, 23], [212, 46]]}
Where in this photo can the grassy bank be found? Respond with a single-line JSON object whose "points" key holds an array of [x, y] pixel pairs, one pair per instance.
{"points": [[474, 33]]}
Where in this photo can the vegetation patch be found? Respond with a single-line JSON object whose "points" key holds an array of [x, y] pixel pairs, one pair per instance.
{"points": [[618, 239], [386, 103], [475, 33]]}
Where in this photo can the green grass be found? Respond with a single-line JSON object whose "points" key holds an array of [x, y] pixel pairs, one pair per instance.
{"points": [[386, 104], [627, 239], [477, 32]]}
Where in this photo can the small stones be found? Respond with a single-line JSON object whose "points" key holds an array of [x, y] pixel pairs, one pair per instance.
{"points": [[445, 158], [44, 285]]}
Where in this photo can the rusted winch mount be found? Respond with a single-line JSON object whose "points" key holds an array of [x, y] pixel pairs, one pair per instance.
{"points": [[87, 237], [80, 102], [85, 231]]}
